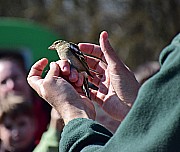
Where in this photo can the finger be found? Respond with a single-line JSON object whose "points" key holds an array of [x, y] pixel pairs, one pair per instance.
{"points": [[109, 53], [97, 97], [73, 77], [102, 84], [99, 76], [64, 66], [95, 80], [79, 89], [94, 63], [53, 71], [80, 80], [34, 78], [36, 71], [37, 68], [91, 49]]}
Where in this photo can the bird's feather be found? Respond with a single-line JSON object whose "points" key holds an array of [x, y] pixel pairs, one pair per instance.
{"points": [[79, 55], [71, 52]]}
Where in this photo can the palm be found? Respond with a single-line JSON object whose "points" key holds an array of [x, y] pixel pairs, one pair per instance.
{"points": [[106, 96], [117, 86]]}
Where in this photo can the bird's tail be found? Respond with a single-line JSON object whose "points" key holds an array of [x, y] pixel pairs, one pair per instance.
{"points": [[86, 88]]}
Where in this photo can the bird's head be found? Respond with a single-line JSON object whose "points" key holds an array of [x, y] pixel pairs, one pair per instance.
{"points": [[57, 45]]}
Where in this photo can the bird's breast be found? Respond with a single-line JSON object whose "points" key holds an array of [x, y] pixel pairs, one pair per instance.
{"points": [[67, 55]]}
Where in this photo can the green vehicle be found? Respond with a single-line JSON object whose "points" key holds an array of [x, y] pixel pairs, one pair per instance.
{"points": [[30, 38]]}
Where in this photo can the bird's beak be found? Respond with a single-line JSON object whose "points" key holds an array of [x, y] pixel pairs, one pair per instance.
{"points": [[52, 47]]}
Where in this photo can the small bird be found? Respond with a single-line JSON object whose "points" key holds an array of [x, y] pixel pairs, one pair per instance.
{"points": [[71, 52]]}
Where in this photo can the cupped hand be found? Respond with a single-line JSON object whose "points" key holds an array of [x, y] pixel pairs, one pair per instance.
{"points": [[58, 92], [117, 86]]}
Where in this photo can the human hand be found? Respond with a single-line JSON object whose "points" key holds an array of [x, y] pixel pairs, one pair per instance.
{"points": [[117, 86], [59, 93]]}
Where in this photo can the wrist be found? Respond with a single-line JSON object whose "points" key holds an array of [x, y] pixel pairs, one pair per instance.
{"points": [[69, 111], [72, 117]]}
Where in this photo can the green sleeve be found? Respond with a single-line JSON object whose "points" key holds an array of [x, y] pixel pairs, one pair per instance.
{"points": [[49, 141], [153, 123]]}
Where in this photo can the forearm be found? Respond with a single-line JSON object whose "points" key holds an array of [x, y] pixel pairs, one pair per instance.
{"points": [[81, 108], [71, 113]]}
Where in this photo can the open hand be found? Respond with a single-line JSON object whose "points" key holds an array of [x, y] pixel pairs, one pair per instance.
{"points": [[117, 86]]}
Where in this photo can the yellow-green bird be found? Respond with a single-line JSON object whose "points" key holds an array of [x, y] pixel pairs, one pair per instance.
{"points": [[71, 52]]}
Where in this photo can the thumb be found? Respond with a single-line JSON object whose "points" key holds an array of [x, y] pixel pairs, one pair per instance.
{"points": [[122, 79], [110, 55]]}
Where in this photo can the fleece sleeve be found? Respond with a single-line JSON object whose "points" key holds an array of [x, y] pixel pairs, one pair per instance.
{"points": [[153, 123], [83, 132]]}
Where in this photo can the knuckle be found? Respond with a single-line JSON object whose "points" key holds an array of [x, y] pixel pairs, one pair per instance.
{"points": [[46, 83]]}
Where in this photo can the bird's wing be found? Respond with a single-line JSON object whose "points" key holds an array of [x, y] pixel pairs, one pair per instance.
{"points": [[75, 48], [80, 56]]}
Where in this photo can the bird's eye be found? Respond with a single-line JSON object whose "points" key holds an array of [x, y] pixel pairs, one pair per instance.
{"points": [[56, 42]]}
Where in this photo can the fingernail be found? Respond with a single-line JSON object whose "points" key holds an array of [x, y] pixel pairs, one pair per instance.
{"points": [[65, 68], [73, 75], [52, 64]]}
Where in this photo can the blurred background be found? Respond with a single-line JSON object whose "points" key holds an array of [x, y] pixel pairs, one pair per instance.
{"points": [[138, 29]]}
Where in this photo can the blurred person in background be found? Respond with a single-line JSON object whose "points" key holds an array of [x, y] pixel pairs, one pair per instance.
{"points": [[17, 124], [50, 139], [13, 75]]}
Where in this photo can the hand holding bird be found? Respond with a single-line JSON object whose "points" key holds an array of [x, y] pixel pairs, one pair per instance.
{"points": [[71, 52]]}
